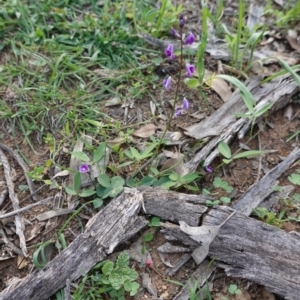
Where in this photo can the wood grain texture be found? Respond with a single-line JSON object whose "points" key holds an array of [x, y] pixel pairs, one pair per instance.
{"points": [[257, 251], [117, 221], [173, 206]]}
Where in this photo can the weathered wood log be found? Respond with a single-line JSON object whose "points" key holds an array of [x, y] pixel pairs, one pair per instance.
{"points": [[115, 223], [263, 188], [257, 251], [252, 250], [198, 279], [226, 125], [173, 206]]}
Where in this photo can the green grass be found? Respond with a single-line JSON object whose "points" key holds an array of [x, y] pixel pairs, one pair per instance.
{"points": [[54, 53]]}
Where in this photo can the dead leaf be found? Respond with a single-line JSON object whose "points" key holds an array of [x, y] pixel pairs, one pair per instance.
{"points": [[292, 38], [61, 174], [288, 112], [147, 284], [220, 86], [145, 131], [205, 235], [165, 259], [22, 262], [113, 101]]}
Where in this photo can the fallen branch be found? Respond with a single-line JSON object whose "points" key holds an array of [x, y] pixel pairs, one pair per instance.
{"points": [[22, 164], [115, 223], [15, 202]]}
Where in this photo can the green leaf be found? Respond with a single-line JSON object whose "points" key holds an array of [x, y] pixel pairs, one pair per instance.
{"points": [[238, 292], [250, 153], [135, 153], [148, 237], [107, 268], [116, 280], [128, 286], [192, 188], [226, 161], [246, 94], [117, 184], [232, 288], [191, 83], [129, 274], [290, 70], [174, 176], [123, 260], [205, 192], [189, 177], [224, 149], [147, 181], [134, 288], [217, 182], [100, 190], [225, 200], [148, 150], [97, 202], [70, 190], [99, 152], [154, 170], [87, 193], [168, 184], [77, 182], [40, 253], [263, 109], [155, 222], [104, 180], [80, 155], [294, 178]]}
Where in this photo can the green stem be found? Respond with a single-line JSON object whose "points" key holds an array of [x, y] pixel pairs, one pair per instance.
{"points": [[175, 100]]}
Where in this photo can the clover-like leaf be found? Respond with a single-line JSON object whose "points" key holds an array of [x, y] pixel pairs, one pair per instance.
{"points": [[123, 260], [108, 267]]}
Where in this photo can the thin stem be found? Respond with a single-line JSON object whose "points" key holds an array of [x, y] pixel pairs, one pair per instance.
{"points": [[175, 99]]}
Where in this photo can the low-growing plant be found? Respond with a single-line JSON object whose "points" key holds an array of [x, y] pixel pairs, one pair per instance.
{"points": [[225, 150], [115, 280], [234, 290]]}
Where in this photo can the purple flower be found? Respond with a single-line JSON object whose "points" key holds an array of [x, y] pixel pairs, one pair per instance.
{"points": [[84, 168], [169, 52], [177, 112], [175, 33], [209, 169], [190, 39], [167, 82], [190, 69], [181, 21], [185, 104]]}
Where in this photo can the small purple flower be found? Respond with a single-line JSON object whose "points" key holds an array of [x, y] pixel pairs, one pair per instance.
{"points": [[209, 169], [169, 52], [175, 33], [84, 168], [185, 104], [190, 69], [190, 39], [181, 21], [177, 112], [167, 83]]}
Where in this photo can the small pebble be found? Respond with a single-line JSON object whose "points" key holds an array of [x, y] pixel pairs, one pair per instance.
{"points": [[165, 295]]}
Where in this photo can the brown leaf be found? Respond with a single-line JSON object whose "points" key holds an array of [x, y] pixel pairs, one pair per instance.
{"points": [[145, 131], [219, 85]]}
